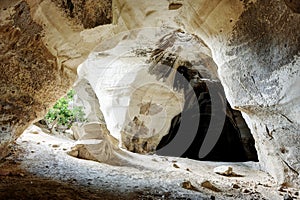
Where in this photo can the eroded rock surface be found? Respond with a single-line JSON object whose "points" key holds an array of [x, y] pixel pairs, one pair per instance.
{"points": [[119, 76], [255, 45], [259, 69], [89, 13], [30, 77], [95, 143], [41, 48]]}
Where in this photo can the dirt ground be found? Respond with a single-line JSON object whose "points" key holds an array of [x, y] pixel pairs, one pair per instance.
{"points": [[39, 168]]}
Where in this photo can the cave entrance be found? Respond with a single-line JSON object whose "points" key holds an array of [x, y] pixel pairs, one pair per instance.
{"points": [[207, 127], [233, 139], [192, 70], [65, 113]]}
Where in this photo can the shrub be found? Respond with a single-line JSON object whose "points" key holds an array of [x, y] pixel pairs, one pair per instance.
{"points": [[63, 113]]}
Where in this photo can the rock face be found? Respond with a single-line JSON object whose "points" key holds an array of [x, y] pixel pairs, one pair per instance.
{"points": [[31, 80], [95, 143], [255, 45], [146, 80], [89, 13], [259, 69], [39, 58], [87, 99], [119, 76]]}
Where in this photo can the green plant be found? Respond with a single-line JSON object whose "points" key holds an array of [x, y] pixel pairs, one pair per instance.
{"points": [[64, 114]]}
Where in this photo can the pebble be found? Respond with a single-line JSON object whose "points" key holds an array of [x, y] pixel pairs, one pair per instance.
{"points": [[73, 153], [188, 185], [209, 185], [176, 166], [225, 171], [246, 191]]}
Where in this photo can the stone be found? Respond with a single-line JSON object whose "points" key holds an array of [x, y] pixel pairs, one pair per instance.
{"points": [[210, 186], [95, 143], [188, 185], [73, 152], [225, 171], [246, 190], [175, 165]]}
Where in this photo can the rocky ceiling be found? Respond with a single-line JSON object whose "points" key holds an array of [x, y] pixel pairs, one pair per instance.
{"points": [[255, 45]]}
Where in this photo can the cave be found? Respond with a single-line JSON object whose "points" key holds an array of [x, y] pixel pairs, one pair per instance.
{"points": [[185, 99], [235, 142]]}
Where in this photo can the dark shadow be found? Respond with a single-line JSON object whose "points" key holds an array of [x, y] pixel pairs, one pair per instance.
{"points": [[235, 144]]}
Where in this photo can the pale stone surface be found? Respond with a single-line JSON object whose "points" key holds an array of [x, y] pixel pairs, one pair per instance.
{"points": [[257, 54], [40, 52], [95, 143], [30, 79], [86, 98], [254, 43], [151, 176], [126, 91], [137, 106]]}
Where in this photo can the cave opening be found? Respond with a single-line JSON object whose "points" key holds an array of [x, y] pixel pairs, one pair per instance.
{"points": [[233, 142]]}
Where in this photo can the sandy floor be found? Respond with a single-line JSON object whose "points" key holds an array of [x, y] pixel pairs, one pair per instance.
{"points": [[40, 168]]}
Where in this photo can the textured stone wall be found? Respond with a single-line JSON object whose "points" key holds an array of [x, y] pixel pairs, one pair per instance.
{"points": [[254, 43], [263, 81], [89, 13], [30, 80], [40, 49], [256, 47]]}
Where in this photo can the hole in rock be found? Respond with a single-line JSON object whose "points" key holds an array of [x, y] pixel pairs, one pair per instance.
{"points": [[226, 138], [63, 115]]}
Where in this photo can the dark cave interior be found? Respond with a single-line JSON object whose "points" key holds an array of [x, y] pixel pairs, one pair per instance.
{"points": [[235, 143]]}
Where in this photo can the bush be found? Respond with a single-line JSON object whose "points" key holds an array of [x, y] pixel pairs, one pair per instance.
{"points": [[64, 114]]}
